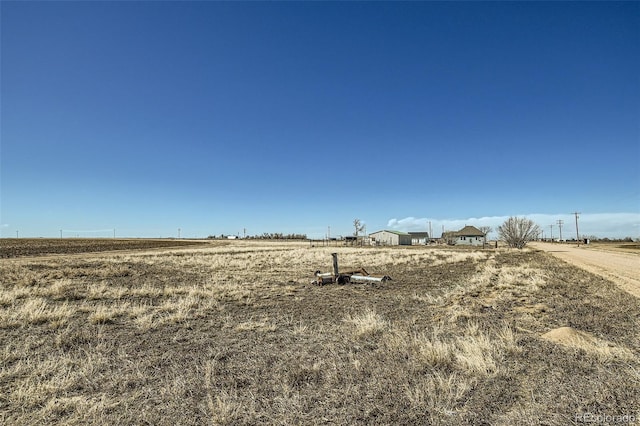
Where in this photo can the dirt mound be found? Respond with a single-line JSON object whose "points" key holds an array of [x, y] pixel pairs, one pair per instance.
{"points": [[571, 337], [604, 350]]}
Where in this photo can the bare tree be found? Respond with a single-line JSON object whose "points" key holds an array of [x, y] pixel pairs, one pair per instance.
{"points": [[358, 227], [449, 237], [485, 230], [518, 231]]}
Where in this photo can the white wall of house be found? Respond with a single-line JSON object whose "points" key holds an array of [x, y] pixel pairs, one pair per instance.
{"points": [[463, 240]]}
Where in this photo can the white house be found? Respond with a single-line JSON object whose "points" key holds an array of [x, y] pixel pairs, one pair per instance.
{"points": [[390, 238], [469, 236]]}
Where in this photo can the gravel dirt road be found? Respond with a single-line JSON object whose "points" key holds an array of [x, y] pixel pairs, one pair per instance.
{"points": [[621, 268]]}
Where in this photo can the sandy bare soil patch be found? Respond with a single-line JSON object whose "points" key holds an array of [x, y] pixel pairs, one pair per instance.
{"points": [[237, 335], [621, 268]]}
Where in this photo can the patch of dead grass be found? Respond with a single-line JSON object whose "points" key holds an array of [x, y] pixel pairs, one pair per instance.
{"points": [[367, 323]]}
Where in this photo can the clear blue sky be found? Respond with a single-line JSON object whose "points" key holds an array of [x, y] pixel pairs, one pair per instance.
{"points": [[291, 117]]}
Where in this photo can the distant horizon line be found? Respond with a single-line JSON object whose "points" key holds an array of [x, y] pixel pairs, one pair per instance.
{"points": [[603, 225]]}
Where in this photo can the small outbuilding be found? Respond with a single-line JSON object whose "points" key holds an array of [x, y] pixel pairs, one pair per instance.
{"points": [[390, 238], [419, 238]]}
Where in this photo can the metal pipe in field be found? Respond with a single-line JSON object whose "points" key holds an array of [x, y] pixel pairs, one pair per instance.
{"points": [[368, 278]]}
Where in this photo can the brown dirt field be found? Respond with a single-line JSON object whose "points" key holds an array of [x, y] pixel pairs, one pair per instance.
{"points": [[621, 268], [21, 247]]}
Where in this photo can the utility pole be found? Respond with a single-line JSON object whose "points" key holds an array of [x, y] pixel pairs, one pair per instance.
{"points": [[178, 233], [61, 234], [17, 234], [244, 233], [560, 222], [365, 234], [430, 232], [329, 232], [551, 226], [577, 232]]}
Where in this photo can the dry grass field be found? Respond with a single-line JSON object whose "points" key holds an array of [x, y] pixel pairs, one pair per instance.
{"points": [[624, 247], [236, 334]]}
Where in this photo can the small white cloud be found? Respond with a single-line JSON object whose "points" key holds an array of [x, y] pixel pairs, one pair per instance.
{"points": [[4, 225], [408, 223]]}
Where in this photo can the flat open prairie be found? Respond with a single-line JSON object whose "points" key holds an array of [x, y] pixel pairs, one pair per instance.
{"points": [[236, 334]]}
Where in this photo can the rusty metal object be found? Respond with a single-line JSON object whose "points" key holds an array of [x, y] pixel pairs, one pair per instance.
{"points": [[345, 277]]}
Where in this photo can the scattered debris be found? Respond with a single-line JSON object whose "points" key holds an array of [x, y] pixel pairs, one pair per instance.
{"points": [[346, 277]]}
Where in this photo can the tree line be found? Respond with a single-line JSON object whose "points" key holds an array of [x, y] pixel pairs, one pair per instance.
{"points": [[265, 236], [279, 236]]}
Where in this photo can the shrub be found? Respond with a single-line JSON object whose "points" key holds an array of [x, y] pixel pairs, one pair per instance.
{"points": [[518, 231]]}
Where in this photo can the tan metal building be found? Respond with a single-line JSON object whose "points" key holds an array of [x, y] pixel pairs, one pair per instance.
{"points": [[390, 238]]}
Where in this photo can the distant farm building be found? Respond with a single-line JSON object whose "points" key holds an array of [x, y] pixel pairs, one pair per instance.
{"points": [[390, 238], [419, 238], [467, 236]]}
